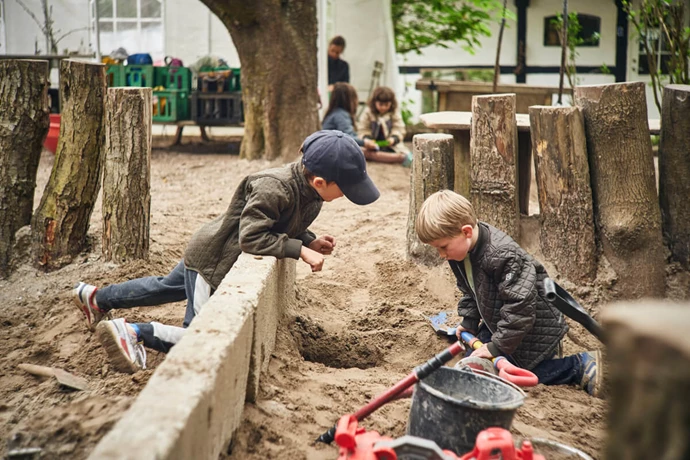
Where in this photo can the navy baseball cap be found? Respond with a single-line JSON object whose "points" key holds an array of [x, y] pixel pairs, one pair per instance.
{"points": [[336, 157]]}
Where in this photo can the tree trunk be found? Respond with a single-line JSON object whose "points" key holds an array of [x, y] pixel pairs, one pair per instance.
{"points": [[649, 375], [127, 174], [276, 43], [62, 219], [565, 194], [432, 170], [493, 149], [626, 206], [24, 121], [674, 171]]}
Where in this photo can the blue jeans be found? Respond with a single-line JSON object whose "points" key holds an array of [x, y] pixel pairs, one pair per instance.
{"points": [[554, 371], [177, 285]]}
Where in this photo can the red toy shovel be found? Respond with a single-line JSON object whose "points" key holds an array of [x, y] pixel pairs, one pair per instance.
{"points": [[507, 370]]}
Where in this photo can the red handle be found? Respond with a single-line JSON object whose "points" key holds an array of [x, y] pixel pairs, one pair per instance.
{"points": [[517, 375]]}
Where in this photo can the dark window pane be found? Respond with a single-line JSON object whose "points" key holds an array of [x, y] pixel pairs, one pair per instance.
{"points": [[105, 8], [552, 33], [643, 66], [590, 28], [665, 63], [150, 8], [126, 8]]}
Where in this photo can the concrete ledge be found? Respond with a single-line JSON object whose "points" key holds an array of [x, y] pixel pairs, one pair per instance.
{"points": [[193, 403]]}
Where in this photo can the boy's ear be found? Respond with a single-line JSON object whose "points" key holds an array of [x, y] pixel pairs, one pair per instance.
{"points": [[467, 230], [318, 182]]}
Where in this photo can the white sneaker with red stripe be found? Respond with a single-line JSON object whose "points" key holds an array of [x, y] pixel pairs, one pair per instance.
{"points": [[120, 343], [84, 296]]}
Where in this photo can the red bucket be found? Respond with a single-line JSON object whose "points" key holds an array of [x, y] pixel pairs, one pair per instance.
{"points": [[51, 141]]}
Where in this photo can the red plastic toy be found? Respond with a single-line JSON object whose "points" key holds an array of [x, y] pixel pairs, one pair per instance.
{"points": [[53, 133], [493, 440]]}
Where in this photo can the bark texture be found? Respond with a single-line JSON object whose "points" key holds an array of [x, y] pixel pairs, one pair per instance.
{"points": [[276, 44], [432, 170], [127, 174], [61, 221], [674, 171], [626, 206], [565, 195], [493, 151], [648, 348], [24, 122]]}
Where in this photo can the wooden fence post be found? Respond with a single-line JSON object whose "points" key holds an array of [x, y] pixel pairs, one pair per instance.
{"points": [[648, 374], [62, 219], [432, 170], [565, 194], [674, 171], [626, 206], [493, 149], [127, 174], [24, 121]]}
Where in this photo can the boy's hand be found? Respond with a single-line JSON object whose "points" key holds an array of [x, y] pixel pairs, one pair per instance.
{"points": [[482, 352], [313, 258], [459, 330], [323, 244]]}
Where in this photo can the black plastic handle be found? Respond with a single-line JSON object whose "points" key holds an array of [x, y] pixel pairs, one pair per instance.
{"points": [[567, 305]]}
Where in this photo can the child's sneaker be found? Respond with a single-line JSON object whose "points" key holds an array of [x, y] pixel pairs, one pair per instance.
{"points": [[126, 355], [84, 296], [592, 372], [407, 162]]}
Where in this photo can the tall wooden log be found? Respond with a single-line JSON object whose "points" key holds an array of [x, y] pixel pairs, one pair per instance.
{"points": [[648, 364], [24, 122], [627, 216], [493, 150], [674, 171], [62, 219], [127, 174], [565, 194], [432, 170]]}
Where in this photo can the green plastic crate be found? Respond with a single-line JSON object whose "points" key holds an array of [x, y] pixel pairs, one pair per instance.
{"points": [[179, 78], [170, 105], [115, 75], [139, 76]]}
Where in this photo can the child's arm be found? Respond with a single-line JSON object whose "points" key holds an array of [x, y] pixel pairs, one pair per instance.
{"points": [[517, 278], [398, 128], [467, 308], [364, 125]]}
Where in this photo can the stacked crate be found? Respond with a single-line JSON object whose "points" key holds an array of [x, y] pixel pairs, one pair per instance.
{"points": [[218, 98]]}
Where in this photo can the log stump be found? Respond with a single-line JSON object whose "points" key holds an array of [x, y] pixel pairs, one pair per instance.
{"points": [[432, 170], [674, 171], [62, 219], [627, 216], [565, 195], [24, 122], [127, 174], [493, 151], [648, 362]]}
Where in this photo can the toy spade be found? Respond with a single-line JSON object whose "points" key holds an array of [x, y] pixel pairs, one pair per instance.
{"points": [[63, 377]]}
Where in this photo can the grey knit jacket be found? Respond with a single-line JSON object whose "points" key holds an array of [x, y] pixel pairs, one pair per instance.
{"points": [[268, 215], [510, 299]]}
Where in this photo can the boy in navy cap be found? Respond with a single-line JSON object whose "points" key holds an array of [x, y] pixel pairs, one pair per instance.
{"points": [[269, 215]]}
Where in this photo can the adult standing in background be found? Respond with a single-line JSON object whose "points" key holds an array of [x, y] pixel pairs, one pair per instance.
{"points": [[338, 70]]}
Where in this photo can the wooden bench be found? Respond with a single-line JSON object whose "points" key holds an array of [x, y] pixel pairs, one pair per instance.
{"points": [[182, 123]]}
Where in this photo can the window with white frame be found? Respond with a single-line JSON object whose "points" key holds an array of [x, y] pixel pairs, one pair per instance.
{"points": [[135, 25], [657, 45]]}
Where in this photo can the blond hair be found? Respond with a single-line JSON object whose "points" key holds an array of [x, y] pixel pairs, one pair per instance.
{"points": [[442, 215]]}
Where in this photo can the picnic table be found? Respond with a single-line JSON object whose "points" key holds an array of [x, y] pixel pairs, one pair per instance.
{"points": [[459, 125]]}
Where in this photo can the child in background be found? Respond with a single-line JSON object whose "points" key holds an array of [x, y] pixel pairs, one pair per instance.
{"points": [[341, 114], [382, 123], [504, 303], [269, 214]]}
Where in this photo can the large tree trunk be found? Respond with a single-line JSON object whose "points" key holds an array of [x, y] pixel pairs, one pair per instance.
{"points": [[127, 174], [24, 121], [674, 171], [432, 170], [565, 194], [649, 373], [62, 219], [276, 43], [623, 185], [493, 148]]}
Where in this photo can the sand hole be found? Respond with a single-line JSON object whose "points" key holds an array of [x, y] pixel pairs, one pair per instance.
{"points": [[342, 349]]}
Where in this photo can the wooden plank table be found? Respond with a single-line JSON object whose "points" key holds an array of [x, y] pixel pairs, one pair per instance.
{"points": [[459, 124]]}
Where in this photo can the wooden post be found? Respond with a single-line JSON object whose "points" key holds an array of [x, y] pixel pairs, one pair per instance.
{"points": [[565, 195], [462, 162], [674, 171], [493, 149], [127, 174], [648, 370], [621, 166], [432, 170], [62, 219], [24, 121]]}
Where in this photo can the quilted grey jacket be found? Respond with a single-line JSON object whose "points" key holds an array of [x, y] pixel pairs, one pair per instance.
{"points": [[510, 299], [268, 215]]}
